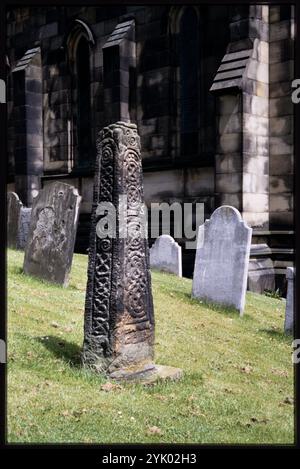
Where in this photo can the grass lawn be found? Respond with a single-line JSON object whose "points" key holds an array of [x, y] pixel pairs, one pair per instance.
{"points": [[238, 375]]}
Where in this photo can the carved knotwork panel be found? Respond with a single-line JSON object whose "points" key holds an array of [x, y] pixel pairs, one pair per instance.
{"points": [[119, 309]]}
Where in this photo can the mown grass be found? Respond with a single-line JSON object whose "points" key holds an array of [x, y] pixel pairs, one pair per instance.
{"points": [[238, 375]]}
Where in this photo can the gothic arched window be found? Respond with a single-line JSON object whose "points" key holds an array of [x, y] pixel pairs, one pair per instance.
{"points": [[83, 104], [79, 41], [189, 81]]}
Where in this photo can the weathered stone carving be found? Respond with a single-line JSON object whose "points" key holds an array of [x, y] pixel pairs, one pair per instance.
{"points": [[52, 231], [119, 318]]}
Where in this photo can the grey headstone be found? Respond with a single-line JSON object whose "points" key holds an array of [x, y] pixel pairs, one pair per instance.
{"points": [[52, 232], [289, 309], [14, 206], [222, 257], [165, 255], [25, 215]]}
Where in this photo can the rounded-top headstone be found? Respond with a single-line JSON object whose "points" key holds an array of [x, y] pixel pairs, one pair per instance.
{"points": [[165, 255], [222, 258]]}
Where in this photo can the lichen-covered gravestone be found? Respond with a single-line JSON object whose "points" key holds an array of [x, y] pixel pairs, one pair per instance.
{"points": [[52, 231], [222, 258], [165, 255], [289, 309], [14, 206], [119, 317]]}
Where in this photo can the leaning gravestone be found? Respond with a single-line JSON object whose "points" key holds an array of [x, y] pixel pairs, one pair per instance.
{"points": [[119, 316], [51, 238], [289, 309], [14, 206], [165, 255], [222, 258], [18, 220]]}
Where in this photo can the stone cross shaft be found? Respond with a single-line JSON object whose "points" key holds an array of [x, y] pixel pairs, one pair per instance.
{"points": [[119, 319]]}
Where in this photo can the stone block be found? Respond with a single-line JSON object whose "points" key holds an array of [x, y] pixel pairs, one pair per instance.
{"points": [[229, 104], [280, 126], [279, 184], [255, 202], [255, 124], [282, 71], [258, 71], [280, 31], [229, 143], [229, 183], [280, 89], [281, 106], [281, 51], [281, 164], [281, 145], [199, 181], [256, 183], [261, 275], [281, 202], [235, 200], [229, 124], [229, 163]]}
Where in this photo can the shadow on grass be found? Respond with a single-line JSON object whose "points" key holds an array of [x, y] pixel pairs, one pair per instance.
{"points": [[276, 334], [16, 270], [224, 310], [67, 351]]}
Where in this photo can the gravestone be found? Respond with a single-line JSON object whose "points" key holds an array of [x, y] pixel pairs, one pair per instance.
{"points": [[25, 216], [14, 206], [289, 309], [119, 316], [165, 255], [18, 221], [222, 258], [51, 237]]}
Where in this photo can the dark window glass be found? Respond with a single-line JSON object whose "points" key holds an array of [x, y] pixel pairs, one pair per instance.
{"points": [[83, 101], [189, 82], [285, 12]]}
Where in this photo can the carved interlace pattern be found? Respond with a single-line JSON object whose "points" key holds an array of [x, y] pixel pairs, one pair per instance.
{"points": [[103, 264], [118, 268]]}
